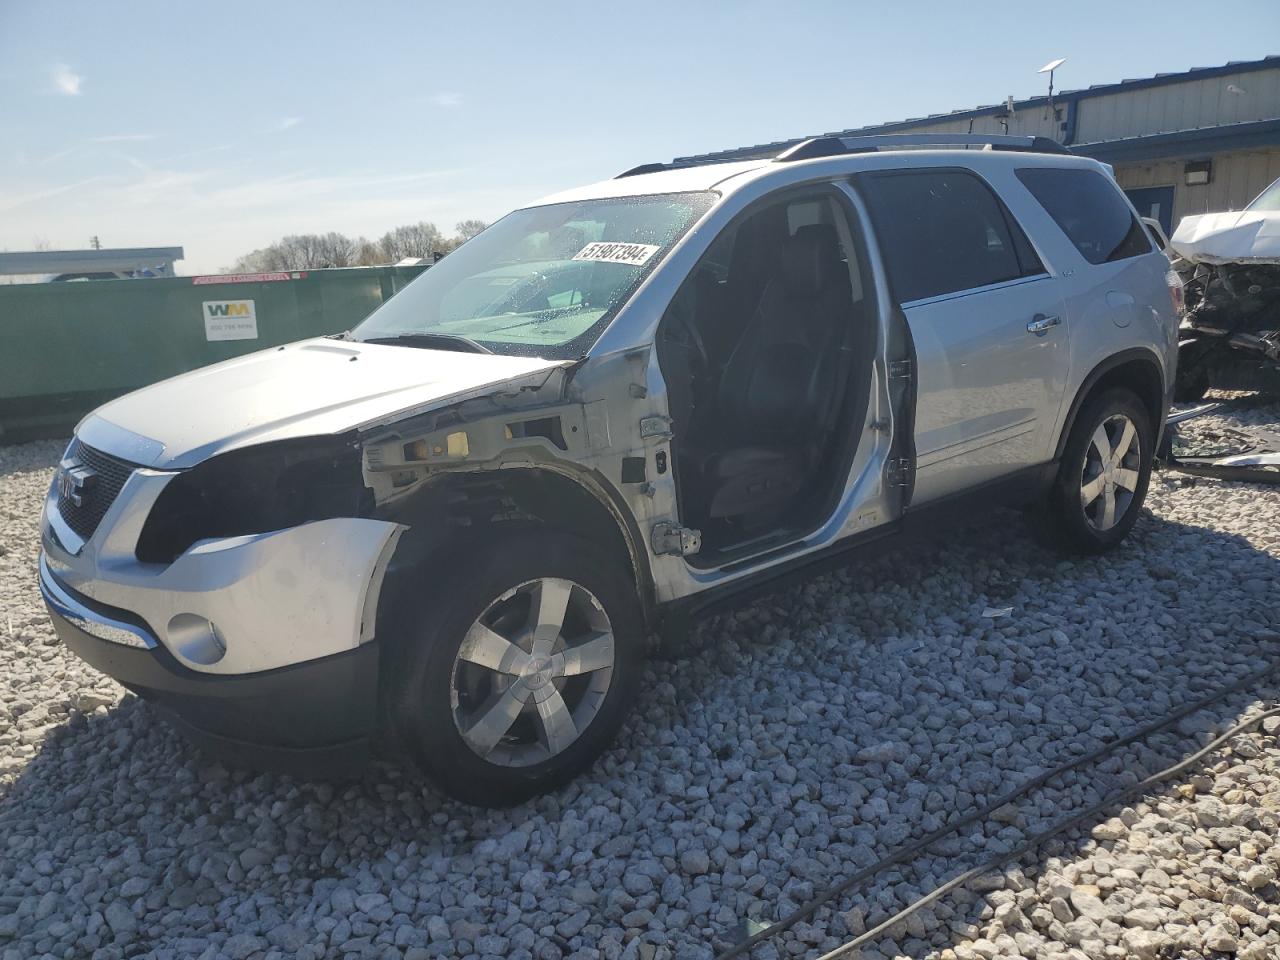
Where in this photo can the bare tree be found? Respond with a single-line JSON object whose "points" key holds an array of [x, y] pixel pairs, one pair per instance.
{"points": [[412, 240], [306, 251], [369, 254], [256, 261], [336, 250], [314, 251]]}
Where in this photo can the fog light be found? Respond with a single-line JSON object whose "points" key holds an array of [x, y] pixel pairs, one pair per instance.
{"points": [[195, 639]]}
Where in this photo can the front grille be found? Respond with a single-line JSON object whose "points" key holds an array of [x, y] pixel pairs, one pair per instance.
{"points": [[97, 493]]}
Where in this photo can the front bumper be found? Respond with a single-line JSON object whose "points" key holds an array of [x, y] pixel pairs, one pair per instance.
{"points": [[260, 647], [234, 605], [312, 719]]}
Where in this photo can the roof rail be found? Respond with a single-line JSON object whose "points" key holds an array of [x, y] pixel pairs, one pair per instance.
{"points": [[834, 146], [644, 168]]}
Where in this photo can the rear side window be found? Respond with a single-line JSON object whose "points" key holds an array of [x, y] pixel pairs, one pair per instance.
{"points": [[1090, 210], [943, 231]]}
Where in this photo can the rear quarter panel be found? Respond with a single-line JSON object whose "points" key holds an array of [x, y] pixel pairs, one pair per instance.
{"points": [[1110, 307], [1119, 306]]}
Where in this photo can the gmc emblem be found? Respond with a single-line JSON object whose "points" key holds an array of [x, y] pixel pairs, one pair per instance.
{"points": [[74, 481]]}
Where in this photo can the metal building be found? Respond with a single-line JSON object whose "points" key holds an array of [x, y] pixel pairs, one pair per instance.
{"points": [[1195, 142], [106, 264]]}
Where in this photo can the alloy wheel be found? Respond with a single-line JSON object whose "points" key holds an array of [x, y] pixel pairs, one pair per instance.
{"points": [[532, 672], [1112, 468]]}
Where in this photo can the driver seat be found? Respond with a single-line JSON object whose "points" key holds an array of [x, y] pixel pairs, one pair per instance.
{"points": [[779, 384]]}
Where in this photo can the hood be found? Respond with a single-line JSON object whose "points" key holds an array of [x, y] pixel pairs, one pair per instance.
{"points": [[1247, 236], [309, 388]]}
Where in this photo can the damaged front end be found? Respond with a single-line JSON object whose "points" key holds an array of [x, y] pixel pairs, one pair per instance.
{"points": [[1230, 335], [1230, 267], [537, 450]]}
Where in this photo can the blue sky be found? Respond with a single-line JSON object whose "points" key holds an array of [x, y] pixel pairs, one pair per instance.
{"points": [[222, 127]]}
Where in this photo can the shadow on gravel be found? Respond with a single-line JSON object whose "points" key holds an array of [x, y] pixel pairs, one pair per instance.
{"points": [[28, 457], [804, 736]]}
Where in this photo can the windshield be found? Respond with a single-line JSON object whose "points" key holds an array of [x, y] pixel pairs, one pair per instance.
{"points": [[1268, 199], [543, 281]]}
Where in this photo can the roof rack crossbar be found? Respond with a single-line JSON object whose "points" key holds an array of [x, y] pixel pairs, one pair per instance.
{"points": [[834, 146], [683, 163]]}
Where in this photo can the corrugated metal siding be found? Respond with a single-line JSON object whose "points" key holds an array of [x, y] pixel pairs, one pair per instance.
{"points": [[1034, 122], [1237, 179], [1110, 113], [1179, 106]]}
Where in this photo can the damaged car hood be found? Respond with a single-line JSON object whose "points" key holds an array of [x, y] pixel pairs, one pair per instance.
{"points": [[1246, 236], [309, 388]]}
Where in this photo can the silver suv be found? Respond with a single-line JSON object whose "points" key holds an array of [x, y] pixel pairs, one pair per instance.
{"points": [[452, 528]]}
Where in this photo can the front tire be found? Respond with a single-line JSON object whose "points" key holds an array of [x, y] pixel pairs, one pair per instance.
{"points": [[1103, 476], [517, 668]]}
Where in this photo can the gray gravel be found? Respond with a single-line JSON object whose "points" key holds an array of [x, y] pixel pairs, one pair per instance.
{"points": [[801, 738]]}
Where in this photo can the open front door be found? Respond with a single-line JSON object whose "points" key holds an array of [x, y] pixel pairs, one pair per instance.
{"points": [[769, 351]]}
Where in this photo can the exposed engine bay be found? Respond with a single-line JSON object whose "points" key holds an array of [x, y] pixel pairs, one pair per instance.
{"points": [[1230, 267], [1230, 335]]}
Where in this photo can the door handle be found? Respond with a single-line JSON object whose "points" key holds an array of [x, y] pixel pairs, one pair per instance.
{"points": [[1040, 323]]}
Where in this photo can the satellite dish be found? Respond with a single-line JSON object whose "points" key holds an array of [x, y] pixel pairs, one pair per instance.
{"points": [[1048, 68]]}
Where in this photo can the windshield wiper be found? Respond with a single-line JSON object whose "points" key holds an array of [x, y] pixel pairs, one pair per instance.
{"points": [[432, 341]]}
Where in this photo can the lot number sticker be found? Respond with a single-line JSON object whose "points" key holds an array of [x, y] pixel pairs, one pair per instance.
{"points": [[230, 320], [632, 254]]}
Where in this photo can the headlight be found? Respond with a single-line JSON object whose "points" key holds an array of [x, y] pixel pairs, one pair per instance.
{"points": [[256, 490]]}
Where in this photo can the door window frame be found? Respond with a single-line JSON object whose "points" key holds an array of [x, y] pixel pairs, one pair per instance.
{"points": [[1018, 235], [872, 281], [858, 234]]}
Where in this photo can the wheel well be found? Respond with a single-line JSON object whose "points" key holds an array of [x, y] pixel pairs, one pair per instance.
{"points": [[463, 508], [1136, 371]]}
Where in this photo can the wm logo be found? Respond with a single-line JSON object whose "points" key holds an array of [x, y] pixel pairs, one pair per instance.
{"points": [[227, 309]]}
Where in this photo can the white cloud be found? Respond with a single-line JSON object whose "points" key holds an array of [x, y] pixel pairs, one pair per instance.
{"points": [[66, 81], [164, 186], [123, 138], [288, 122], [447, 100], [219, 211], [14, 200]]}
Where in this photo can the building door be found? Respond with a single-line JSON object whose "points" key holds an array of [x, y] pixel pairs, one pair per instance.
{"points": [[1154, 202]]}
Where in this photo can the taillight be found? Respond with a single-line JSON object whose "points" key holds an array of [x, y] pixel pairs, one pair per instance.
{"points": [[1176, 293]]}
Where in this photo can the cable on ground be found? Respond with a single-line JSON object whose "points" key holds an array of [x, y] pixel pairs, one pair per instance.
{"points": [[807, 910], [1032, 842]]}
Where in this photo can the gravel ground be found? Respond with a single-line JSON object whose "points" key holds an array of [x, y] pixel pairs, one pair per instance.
{"points": [[801, 738]]}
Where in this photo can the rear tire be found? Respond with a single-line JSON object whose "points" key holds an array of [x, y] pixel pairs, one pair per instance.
{"points": [[518, 666], [1102, 478]]}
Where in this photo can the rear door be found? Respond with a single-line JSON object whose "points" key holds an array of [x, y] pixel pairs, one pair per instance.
{"points": [[987, 321]]}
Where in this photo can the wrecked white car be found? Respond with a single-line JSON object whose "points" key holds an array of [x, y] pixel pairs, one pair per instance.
{"points": [[454, 527], [1230, 264]]}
